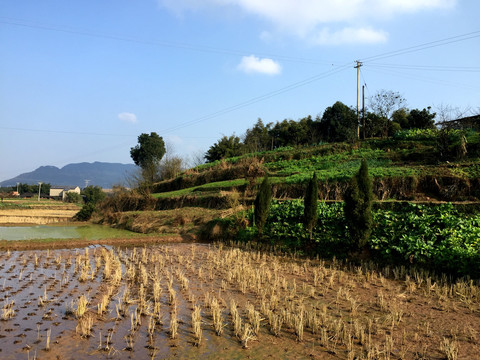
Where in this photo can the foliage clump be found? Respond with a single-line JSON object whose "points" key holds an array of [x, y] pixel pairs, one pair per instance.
{"points": [[262, 204], [93, 195], [147, 154], [358, 207], [310, 205], [85, 212]]}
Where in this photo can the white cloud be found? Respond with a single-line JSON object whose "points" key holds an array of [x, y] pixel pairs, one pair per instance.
{"points": [[309, 19], [252, 64], [128, 117], [349, 35]]}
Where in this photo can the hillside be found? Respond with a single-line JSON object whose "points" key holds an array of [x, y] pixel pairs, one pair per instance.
{"points": [[409, 166], [100, 174]]}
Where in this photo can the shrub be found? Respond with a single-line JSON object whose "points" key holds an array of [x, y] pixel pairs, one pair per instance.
{"points": [[358, 207], [262, 204], [73, 197], [310, 205], [86, 212]]}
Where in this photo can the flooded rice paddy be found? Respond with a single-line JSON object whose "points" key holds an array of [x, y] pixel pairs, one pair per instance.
{"points": [[194, 301], [90, 232]]}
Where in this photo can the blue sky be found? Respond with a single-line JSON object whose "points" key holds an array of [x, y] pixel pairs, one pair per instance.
{"points": [[80, 80]]}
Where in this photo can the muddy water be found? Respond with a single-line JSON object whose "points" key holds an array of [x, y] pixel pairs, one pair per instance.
{"points": [[88, 232], [42, 285], [40, 292], [38, 232]]}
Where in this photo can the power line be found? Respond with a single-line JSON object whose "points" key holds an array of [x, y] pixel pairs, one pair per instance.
{"points": [[261, 97], [170, 44], [258, 99], [428, 45], [63, 132], [427, 67], [424, 79]]}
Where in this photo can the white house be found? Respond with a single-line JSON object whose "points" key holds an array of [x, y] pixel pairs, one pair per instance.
{"points": [[61, 191]]}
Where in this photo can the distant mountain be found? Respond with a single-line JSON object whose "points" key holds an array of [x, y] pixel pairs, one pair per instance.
{"points": [[98, 173]]}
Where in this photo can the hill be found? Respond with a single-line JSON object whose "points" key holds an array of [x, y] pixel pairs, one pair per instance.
{"points": [[410, 166], [100, 174]]}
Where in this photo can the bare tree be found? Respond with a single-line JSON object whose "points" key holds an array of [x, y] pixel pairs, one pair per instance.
{"points": [[446, 112], [171, 165], [197, 158], [383, 103]]}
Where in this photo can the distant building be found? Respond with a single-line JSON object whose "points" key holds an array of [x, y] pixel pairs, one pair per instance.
{"points": [[470, 122], [60, 192]]}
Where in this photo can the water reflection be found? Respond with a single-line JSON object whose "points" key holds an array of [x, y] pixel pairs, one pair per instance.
{"points": [[38, 232]]}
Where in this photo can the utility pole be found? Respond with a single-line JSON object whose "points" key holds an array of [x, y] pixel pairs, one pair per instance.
{"points": [[363, 111], [39, 187], [359, 64], [86, 182]]}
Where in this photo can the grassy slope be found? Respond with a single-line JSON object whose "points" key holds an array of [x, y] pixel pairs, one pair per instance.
{"points": [[401, 157]]}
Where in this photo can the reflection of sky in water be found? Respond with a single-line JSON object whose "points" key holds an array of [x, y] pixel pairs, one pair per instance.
{"points": [[38, 232]]}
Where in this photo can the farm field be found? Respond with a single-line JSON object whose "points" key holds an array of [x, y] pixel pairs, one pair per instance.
{"points": [[203, 301], [33, 212]]}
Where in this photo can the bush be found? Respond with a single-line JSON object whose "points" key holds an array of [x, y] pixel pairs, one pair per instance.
{"points": [[358, 207], [73, 197], [262, 204], [93, 194], [310, 205], [86, 212]]}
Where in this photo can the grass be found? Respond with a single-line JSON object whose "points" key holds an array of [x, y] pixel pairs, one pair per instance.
{"points": [[214, 187]]}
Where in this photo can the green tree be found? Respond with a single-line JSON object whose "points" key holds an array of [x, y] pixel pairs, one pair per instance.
{"points": [[257, 138], [374, 125], [339, 123], [73, 197], [147, 155], [400, 117], [262, 204], [85, 212], [224, 148], [421, 119], [93, 194], [310, 205], [358, 206]]}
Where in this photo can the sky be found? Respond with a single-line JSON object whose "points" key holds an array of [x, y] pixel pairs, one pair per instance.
{"points": [[80, 80]]}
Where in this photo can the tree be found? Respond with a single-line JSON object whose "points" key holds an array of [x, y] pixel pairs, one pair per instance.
{"points": [[147, 155], [421, 119], [257, 138], [400, 116], [358, 207], [262, 204], [73, 197], [384, 103], [93, 194], [339, 123], [170, 167], [310, 205], [374, 125], [224, 148]]}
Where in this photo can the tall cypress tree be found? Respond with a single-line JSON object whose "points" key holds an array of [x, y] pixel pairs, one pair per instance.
{"points": [[358, 206], [262, 204], [310, 205]]}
